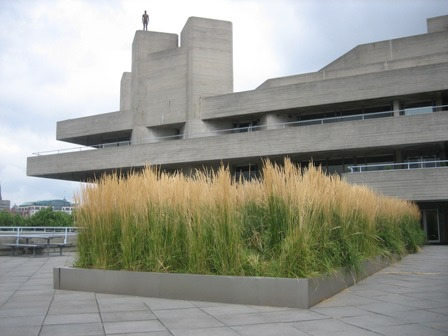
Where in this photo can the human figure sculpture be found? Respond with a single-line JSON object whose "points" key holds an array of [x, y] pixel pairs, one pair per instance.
{"points": [[145, 20]]}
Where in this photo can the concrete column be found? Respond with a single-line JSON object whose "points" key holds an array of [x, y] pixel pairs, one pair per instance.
{"points": [[195, 128], [442, 151], [272, 121], [125, 91], [145, 43], [439, 100], [399, 156], [396, 107], [209, 48]]}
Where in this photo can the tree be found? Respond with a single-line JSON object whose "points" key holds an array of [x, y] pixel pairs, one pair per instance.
{"points": [[49, 217], [10, 219]]}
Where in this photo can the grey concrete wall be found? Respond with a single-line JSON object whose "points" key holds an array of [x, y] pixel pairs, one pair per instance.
{"points": [[169, 81], [412, 46], [355, 88], [437, 24], [125, 91], [416, 184], [264, 291], [364, 134], [164, 99], [356, 70], [208, 44], [76, 130], [272, 121], [146, 43]]}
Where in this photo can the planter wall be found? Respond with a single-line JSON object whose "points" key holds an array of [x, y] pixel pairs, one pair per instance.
{"points": [[278, 292]]}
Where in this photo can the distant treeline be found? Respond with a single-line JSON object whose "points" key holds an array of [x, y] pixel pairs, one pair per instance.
{"points": [[45, 217]]}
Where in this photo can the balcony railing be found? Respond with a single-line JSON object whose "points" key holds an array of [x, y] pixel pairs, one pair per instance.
{"points": [[398, 166], [252, 128]]}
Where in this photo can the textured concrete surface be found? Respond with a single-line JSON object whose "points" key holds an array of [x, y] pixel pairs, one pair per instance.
{"points": [[408, 298], [261, 291], [344, 136], [413, 184]]}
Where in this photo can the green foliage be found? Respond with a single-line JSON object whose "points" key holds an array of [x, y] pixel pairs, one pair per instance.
{"points": [[44, 217], [48, 217], [10, 219], [287, 224]]}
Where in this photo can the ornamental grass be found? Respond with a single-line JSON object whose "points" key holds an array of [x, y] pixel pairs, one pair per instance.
{"points": [[291, 222]]}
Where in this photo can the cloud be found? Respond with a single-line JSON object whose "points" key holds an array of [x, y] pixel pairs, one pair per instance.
{"points": [[64, 59]]}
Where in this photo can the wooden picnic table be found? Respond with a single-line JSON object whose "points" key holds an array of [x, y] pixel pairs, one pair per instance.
{"points": [[46, 236]]}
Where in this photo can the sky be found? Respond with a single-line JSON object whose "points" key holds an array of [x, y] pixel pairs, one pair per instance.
{"points": [[63, 59]]}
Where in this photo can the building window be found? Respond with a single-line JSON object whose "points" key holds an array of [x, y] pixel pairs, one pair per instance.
{"points": [[245, 126], [246, 173], [417, 108]]}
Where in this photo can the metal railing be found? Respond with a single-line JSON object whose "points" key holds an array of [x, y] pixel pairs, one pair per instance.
{"points": [[398, 166], [318, 121], [18, 231]]}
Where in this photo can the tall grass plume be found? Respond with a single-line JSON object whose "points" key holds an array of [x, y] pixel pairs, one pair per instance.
{"points": [[291, 222]]}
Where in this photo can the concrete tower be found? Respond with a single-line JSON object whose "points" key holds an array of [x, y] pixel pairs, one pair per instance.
{"points": [[168, 81]]}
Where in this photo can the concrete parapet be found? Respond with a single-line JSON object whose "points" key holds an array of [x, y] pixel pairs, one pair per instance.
{"points": [[424, 184], [437, 24], [361, 134], [265, 291]]}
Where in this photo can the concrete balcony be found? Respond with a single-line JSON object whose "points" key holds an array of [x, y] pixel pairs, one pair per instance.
{"points": [[426, 184], [410, 80], [390, 132], [95, 129]]}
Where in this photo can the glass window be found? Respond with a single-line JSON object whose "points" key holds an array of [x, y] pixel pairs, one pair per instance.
{"points": [[418, 108], [246, 173], [335, 167]]}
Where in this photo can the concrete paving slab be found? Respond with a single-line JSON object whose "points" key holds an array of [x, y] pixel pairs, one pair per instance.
{"points": [[79, 329], [408, 330], [5, 312], [439, 325], [417, 316], [133, 327], [270, 329], [148, 333], [72, 319], [73, 307], [161, 304], [406, 298], [139, 315], [373, 320], [114, 307], [21, 331], [15, 321], [220, 331], [337, 312], [228, 309], [324, 327], [187, 318]]}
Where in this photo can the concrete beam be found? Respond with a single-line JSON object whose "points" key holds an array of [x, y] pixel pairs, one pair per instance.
{"points": [[79, 130], [426, 184], [363, 135], [413, 80]]}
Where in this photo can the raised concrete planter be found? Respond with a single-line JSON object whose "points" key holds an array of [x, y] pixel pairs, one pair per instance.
{"points": [[278, 292]]}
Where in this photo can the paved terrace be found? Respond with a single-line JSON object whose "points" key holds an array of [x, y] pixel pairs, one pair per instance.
{"points": [[408, 298]]}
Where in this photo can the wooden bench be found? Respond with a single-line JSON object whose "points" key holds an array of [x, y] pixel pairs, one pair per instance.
{"points": [[14, 247], [60, 246]]}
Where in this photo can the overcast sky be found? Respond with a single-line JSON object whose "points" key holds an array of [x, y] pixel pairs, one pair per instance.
{"points": [[62, 59]]}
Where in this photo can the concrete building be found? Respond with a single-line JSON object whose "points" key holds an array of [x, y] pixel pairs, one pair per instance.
{"points": [[29, 209], [377, 115], [5, 205]]}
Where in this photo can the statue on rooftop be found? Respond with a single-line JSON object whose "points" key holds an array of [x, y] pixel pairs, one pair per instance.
{"points": [[145, 20]]}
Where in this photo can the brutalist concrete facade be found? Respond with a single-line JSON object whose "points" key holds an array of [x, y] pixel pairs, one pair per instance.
{"points": [[378, 115]]}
